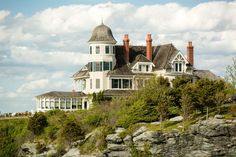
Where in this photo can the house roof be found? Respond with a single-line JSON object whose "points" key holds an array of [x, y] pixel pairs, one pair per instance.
{"points": [[201, 74], [102, 33], [61, 94], [123, 70], [139, 58], [81, 73], [162, 55]]}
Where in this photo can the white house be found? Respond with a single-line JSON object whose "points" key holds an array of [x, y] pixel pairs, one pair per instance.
{"points": [[117, 69]]}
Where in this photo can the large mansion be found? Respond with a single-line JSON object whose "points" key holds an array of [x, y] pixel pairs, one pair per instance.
{"points": [[116, 69]]}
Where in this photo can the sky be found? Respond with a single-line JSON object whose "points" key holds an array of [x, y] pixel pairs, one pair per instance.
{"points": [[43, 43]]}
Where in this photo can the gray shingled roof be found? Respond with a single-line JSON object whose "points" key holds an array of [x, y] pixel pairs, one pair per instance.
{"points": [[102, 33], [123, 70], [139, 58], [62, 94], [201, 74], [162, 55], [81, 73]]}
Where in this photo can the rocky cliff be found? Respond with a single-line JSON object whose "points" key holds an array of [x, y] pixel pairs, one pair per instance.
{"points": [[210, 138]]}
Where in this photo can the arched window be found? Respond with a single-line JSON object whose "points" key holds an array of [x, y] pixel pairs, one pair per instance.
{"points": [[178, 63]]}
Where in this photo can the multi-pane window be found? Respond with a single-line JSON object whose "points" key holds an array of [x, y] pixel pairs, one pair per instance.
{"points": [[107, 49], [106, 66], [121, 83], [179, 63], [68, 103], [97, 83], [97, 49], [100, 66]]}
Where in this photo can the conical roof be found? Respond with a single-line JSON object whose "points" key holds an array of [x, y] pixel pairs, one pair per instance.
{"points": [[102, 34]]}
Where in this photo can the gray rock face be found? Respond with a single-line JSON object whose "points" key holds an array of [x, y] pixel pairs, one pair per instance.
{"points": [[212, 138], [114, 138]]}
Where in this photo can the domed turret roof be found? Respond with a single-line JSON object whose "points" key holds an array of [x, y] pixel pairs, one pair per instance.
{"points": [[102, 34]]}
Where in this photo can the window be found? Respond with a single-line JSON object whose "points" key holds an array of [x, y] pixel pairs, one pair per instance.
{"points": [[178, 67], [178, 63], [56, 103], [98, 66], [114, 50], [140, 67], [91, 83], [97, 49], [97, 83], [126, 83], [147, 68], [107, 49], [121, 83], [90, 49], [106, 66], [114, 83], [74, 103], [67, 103], [62, 103]]}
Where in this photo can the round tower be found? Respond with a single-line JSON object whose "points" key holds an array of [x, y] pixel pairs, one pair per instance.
{"points": [[101, 57]]}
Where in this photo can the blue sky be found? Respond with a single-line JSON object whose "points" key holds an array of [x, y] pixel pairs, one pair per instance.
{"points": [[43, 43]]}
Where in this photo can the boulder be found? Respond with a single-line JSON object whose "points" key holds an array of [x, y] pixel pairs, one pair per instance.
{"points": [[176, 119], [114, 138], [139, 131], [119, 130]]}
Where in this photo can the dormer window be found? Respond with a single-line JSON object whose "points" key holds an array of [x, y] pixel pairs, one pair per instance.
{"points": [[97, 49], [178, 63], [178, 66]]}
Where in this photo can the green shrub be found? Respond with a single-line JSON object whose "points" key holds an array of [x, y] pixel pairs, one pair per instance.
{"points": [[72, 131], [37, 123], [138, 112], [13, 133], [94, 119]]}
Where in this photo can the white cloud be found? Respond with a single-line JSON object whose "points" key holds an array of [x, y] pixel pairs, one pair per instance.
{"points": [[4, 14], [31, 56], [32, 85]]}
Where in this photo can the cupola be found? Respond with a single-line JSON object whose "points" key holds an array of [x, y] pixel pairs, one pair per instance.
{"points": [[102, 34]]}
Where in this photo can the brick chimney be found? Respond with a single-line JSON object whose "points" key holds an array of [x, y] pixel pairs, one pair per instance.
{"points": [[149, 47], [126, 48], [190, 55]]}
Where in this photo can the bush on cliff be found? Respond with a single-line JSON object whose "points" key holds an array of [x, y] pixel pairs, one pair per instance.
{"points": [[37, 123]]}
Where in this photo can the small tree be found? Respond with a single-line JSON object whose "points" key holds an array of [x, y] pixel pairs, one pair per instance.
{"points": [[37, 123], [186, 106], [231, 73]]}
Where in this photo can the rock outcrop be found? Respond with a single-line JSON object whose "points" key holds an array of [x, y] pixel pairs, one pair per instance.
{"points": [[211, 138]]}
